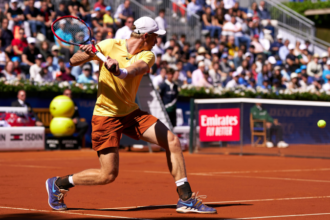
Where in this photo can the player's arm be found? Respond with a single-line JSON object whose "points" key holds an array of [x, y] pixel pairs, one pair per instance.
{"points": [[137, 68], [84, 56]]}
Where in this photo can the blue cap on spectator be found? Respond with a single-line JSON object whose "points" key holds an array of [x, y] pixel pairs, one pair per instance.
{"points": [[224, 55], [14, 59], [298, 71], [97, 9], [108, 8], [252, 80], [67, 64], [303, 67]]}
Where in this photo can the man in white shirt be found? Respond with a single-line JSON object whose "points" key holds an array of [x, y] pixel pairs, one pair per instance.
{"points": [[169, 58], [229, 4], [159, 47], [161, 22], [160, 79], [125, 32], [234, 82], [233, 27], [326, 87], [193, 8], [284, 51], [198, 76], [35, 68]]}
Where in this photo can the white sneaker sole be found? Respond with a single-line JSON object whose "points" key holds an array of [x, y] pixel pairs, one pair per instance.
{"points": [[185, 210], [48, 200]]}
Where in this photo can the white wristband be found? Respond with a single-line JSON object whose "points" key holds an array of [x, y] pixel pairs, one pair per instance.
{"points": [[123, 73]]}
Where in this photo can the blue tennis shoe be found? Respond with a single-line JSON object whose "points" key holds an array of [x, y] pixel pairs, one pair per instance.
{"points": [[55, 195], [194, 204]]}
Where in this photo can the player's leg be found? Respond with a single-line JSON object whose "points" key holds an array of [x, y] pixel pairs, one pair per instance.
{"points": [[57, 187], [159, 134]]}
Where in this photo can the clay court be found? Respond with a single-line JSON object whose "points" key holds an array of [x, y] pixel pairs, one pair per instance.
{"points": [[239, 187]]}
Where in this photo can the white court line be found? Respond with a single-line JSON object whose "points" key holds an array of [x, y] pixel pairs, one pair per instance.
{"points": [[29, 166], [285, 216], [233, 201], [66, 212], [273, 171], [240, 176]]}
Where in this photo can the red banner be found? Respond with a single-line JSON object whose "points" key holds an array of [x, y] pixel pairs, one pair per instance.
{"points": [[219, 124]]}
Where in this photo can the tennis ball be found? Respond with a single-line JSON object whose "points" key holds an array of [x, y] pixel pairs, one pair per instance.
{"points": [[61, 127], [62, 106], [321, 123]]}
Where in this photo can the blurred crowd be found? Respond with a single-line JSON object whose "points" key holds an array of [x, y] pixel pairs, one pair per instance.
{"points": [[240, 47]]}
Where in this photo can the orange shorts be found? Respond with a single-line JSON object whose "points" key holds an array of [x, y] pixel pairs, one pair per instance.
{"points": [[107, 131]]}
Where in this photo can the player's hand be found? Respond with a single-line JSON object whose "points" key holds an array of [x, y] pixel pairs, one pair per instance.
{"points": [[88, 48], [112, 62]]}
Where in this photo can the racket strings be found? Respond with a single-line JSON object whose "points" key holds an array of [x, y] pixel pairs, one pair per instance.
{"points": [[71, 30]]}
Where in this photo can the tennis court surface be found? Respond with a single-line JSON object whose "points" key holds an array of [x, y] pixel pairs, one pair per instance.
{"points": [[239, 187]]}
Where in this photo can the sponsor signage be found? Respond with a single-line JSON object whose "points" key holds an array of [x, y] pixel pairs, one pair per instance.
{"points": [[22, 138], [219, 124]]}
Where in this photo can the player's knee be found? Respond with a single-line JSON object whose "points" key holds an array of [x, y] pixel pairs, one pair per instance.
{"points": [[174, 143], [109, 178]]}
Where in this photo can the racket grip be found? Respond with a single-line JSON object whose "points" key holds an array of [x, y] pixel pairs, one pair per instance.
{"points": [[101, 56]]}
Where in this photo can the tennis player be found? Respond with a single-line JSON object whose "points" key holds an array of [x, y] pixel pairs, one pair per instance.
{"points": [[116, 113]]}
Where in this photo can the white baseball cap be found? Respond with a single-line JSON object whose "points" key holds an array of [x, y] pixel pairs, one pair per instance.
{"points": [[201, 64], [279, 36], [328, 62], [227, 17], [294, 75], [235, 74], [272, 60], [12, 1], [324, 54], [147, 25], [31, 40], [291, 46], [302, 47]]}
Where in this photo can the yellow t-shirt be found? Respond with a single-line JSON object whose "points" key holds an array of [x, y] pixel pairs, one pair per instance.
{"points": [[108, 20], [116, 97]]}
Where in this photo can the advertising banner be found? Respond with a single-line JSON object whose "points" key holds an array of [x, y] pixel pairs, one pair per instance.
{"points": [[22, 138], [219, 124]]}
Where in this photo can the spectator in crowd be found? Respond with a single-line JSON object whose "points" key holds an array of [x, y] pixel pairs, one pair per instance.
{"points": [[44, 49], [200, 77], [36, 68], [9, 72], [169, 93], [160, 78], [215, 73], [15, 15], [21, 102], [190, 67], [159, 47], [284, 50], [66, 74], [64, 48], [314, 69], [6, 36], [324, 59], [44, 74], [233, 83], [326, 87], [273, 127], [97, 22], [62, 10], [100, 4], [86, 76], [178, 5], [161, 22], [49, 15], [125, 32], [304, 82], [109, 21], [29, 54], [292, 61], [124, 12], [193, 8], [294, 84], [275, 47], [326, 72], [263, 12], [3, 58], [209, 23], [35, 18], [81, 126], [232, 27], [170, 57], [19, 43]]}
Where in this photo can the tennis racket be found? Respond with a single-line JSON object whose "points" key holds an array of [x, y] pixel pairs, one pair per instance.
{"points": [[74, 31]]}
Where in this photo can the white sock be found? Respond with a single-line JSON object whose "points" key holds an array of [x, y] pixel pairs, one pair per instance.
{"points": [[71, 180], [180, 182]]}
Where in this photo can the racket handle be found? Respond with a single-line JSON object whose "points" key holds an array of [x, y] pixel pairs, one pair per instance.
{"points": [[103, 58]]}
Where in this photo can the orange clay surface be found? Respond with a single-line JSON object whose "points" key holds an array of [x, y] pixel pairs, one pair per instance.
{"points": [[239, 187]]}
